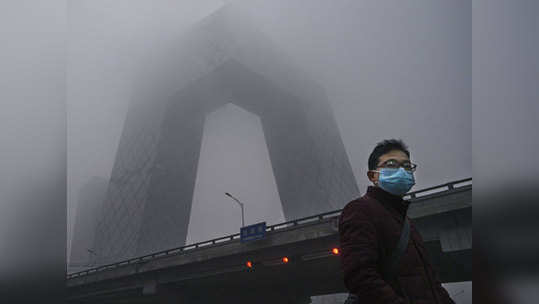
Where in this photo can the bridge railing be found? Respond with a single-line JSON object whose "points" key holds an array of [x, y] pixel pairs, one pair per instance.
{"points": [[277, 227], [439, 188]]}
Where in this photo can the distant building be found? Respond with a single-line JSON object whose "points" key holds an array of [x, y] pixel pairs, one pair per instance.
{"points": [[222, 60], [90, 201]]}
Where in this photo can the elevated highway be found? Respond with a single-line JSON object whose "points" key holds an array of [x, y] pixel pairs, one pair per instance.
{"points": [[216, 270]]}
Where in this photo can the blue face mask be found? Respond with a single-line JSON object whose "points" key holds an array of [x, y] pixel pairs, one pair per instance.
{"points": [[396, 181]]}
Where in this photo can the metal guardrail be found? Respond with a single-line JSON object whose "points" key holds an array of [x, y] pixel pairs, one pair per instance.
{"points": [[439, 188], [277, 227]]}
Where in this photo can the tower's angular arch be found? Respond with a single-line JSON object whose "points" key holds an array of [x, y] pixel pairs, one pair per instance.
{"points": [[151, 187]]}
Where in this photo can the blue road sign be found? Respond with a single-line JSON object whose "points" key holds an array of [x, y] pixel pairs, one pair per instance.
{"points": [[253, 232]]}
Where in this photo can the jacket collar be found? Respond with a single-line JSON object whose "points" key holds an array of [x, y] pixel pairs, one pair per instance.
{"points": [[389, 200]]}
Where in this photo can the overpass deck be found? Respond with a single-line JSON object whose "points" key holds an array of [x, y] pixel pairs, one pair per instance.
{"points": [[307, 242]]}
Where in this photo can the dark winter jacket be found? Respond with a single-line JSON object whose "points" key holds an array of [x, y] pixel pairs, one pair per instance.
{"points": [[370, 229]]}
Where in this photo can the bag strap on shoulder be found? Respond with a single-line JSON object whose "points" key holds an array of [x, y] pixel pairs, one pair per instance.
{"points": [[392, 265]]}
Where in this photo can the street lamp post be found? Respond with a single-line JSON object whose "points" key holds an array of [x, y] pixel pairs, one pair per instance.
{"points": [[241, 206]]}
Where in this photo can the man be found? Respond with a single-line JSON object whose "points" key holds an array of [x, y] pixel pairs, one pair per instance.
{"points": [[370, 228]]}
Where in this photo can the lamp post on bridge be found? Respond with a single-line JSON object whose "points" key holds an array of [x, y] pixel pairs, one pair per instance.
{"points": [[241, 206]]}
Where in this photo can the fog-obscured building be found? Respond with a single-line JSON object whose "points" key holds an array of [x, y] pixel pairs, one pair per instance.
{"points": [[222, 60], [90, 202]]}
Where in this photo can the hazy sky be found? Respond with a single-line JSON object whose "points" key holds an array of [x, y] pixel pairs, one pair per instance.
{"points": [[241, 167]]}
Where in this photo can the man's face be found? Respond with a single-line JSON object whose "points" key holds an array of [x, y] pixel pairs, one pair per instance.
{"points": [[393, 155]]}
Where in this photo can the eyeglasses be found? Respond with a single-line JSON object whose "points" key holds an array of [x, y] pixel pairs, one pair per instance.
{"points": [[394, 164]]}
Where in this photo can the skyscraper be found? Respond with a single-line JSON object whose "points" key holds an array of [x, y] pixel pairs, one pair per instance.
{"points": [[222, 60], [90, 201]]}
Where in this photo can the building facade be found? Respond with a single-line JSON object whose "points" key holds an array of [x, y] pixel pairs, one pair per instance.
{"points": [[222, 60]]}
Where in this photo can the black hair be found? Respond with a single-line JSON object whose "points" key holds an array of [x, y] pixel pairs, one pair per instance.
{"points": [[384, 147]]}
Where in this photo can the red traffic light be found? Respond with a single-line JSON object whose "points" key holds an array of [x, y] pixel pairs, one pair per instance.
{"points": [[335, 251], [249, 264], [285, 260]]}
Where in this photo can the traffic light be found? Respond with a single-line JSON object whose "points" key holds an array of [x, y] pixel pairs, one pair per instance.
{"points": [[249, 264], [335, 251], [285, 260]]}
